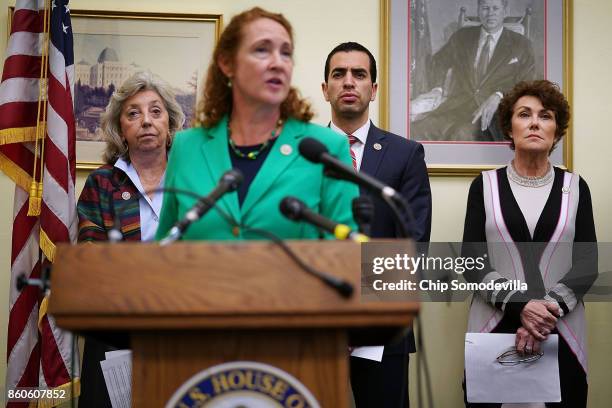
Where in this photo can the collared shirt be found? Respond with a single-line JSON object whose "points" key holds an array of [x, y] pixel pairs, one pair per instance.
{"points": [[362, 135], [149, 209], [483, 39]]}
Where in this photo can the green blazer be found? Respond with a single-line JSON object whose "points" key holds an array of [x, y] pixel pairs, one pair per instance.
{"points": [[199, 157]]}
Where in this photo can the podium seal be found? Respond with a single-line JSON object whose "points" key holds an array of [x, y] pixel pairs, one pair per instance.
{"points": [[242, 384]]}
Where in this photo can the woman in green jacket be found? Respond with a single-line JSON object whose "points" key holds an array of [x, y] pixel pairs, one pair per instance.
{"points": [[250, 118]]}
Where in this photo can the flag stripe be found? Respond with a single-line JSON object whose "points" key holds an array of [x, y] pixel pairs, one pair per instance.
{"points": [[55, 371], [58, 209], [23, 43], [26, 21], [19, 90], [22, 309], [58, 170], [21, 236], [18, 114], [57, 66], [57, 113], [53, 226], [18, 358], [25, 263], [30, 5], [25, 66]]}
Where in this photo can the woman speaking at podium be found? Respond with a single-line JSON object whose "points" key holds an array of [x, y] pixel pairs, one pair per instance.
{"points": [[250, 118]]}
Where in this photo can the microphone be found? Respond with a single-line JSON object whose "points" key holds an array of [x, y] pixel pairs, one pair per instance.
{"points": [[230, 181], [316, 152], [296, 210], [363, 212]]}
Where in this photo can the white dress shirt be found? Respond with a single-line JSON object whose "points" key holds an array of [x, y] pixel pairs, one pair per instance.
{"points": [[149, 209], [361, 135]]}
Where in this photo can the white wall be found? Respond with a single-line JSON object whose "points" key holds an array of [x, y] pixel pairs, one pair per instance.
{"points": [[320, 25]]}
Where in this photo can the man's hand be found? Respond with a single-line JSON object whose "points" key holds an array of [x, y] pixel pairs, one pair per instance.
{"points": [[539, 318], [525, 343], [486, 111]]}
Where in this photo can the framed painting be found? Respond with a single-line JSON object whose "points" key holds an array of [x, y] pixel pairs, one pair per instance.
{"points": [[441, 93], [110, 46]]}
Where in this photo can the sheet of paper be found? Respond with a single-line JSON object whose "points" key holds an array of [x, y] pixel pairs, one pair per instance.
{"points": [[117, 371], [371, 352], [489, 381], [116, 353]]}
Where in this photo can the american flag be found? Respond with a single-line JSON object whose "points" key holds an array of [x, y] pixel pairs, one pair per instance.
{"points": [[37, 151]]}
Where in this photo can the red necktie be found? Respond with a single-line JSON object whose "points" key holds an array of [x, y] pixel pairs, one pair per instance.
{"points": [[352, 140]]}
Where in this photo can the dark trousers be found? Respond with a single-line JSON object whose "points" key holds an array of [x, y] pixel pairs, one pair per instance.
{"points": [[574, 387], [380, 384]]}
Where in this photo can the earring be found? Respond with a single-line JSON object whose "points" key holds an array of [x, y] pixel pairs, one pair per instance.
{"points": [[229, 82]]}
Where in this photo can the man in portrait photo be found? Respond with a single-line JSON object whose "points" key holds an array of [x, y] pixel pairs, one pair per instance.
{"points": [[468, 77]]}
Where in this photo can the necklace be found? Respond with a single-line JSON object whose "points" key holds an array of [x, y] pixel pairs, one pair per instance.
{"points": [[530, 181], [252, 155]]}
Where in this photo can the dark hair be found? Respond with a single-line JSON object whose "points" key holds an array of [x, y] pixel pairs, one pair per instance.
{"points": [[347, 47], [549, 95], [217, 99]]}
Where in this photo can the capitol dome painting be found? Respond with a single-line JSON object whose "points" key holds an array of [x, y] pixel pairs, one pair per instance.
{"points": [[109, 69]]}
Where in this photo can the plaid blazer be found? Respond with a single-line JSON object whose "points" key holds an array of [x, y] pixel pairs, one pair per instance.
{"points": [[108, 194]]}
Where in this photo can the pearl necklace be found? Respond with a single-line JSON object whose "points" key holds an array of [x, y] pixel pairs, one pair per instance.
{"points": [[530, 181]]}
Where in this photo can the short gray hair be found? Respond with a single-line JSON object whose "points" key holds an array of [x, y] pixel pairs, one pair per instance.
{"points": [[110, 125]]}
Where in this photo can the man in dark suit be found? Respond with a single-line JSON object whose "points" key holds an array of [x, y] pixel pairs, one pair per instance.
{"points": [[350, 85], [485, 62]]}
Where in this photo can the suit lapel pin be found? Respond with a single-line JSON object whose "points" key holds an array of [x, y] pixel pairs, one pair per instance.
{"points": [[125, 195], [286, 149], [377, 146]]}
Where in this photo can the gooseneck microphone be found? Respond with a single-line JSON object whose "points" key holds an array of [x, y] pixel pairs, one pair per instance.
{"points": [[296, 210], [316, 152], [230, 181]]}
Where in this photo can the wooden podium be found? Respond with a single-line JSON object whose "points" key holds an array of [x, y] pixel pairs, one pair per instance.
{"points": [[190, 306]]}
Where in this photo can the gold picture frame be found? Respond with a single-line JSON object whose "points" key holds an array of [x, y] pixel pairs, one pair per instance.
{"points": [[178, 47], [164, 43], [553, 29]]}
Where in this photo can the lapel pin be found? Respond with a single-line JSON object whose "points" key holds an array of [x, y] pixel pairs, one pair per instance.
{"points": [[125, 195], [286, 149], [377, 146]]}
